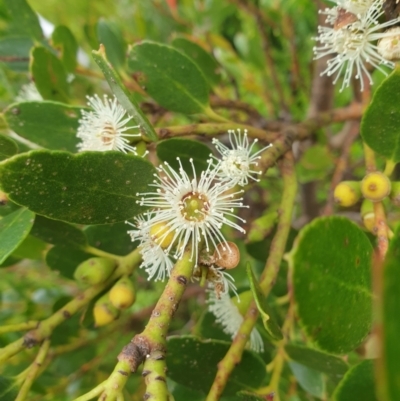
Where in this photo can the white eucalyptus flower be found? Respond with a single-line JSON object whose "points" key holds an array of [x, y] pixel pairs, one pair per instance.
{"points": [[229, 316], [105, 127], [28, 92], [351, 41], [238, 162], [193, 210], [155, 259]]}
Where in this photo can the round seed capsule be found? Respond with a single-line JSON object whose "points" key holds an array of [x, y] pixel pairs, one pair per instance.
{"points": [[375, 186], [227, 255]]}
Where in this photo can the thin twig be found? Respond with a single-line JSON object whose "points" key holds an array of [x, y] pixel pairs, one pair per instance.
{"points": [[267, 280]]}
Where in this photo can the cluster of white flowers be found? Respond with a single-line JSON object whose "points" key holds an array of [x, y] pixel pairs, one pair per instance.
{"points": [[350, 37], [105, 126], [28, 93], [189, 211]]}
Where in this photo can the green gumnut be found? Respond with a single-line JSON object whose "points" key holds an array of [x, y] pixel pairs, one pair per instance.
{"points": [[122, 295], [245, 300], [395, 193], [94, 271], [104, 312]]}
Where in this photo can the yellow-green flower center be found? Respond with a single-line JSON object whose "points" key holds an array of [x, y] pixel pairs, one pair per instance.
{"points": [[194, 206]]}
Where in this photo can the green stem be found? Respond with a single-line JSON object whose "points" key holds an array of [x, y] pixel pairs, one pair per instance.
{"points": [[209, 112], [268, 278], [214, 129], [18, 327], [389, 168], [99, 252], [114, 385], [33, 371], [91, 394]]}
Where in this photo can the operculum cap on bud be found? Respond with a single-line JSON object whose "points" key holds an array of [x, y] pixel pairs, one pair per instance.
{"points": [[122, 295], [395, 193], [104, 312], [226, 255], [375, 186], [347, 193], [94, 271], [243, 302]]}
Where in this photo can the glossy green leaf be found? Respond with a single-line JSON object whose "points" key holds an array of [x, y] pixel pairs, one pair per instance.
{"points": [[123, 96], [57, 232], [64, 41], [380, 125], [88, 188], [30, 248], [13, 230], [193, 363], [270, 325], [15, 52], [51, 125], [112, 238], [358, 384], [49, 75], [310, 380], [391, 323], [332, 284], [65, 259], [185, 149], [169, 77], [204, 60], [8, 147], [24, 20], [317, 360], [111, 37]]}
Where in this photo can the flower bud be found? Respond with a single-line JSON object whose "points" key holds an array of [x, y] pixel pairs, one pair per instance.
{"points": [[94, 271], [104, 312], [375, 186], [389, 47], [227, 255], [395, 193], [347, 193], [243, 302], [122, 295]]}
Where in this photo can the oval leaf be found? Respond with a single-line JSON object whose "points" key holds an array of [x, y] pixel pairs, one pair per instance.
{"points": [[123, 96], [380, 125], [49, 124], [204, 60], [357, 384], [331, 282], [112, 238], [317, 360], [13, 230], [8, 147], [64, 41], [49, 75], [169, 77], [391, 322], [88, 188], [57, 232], [193, 363], [185, 149]]}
